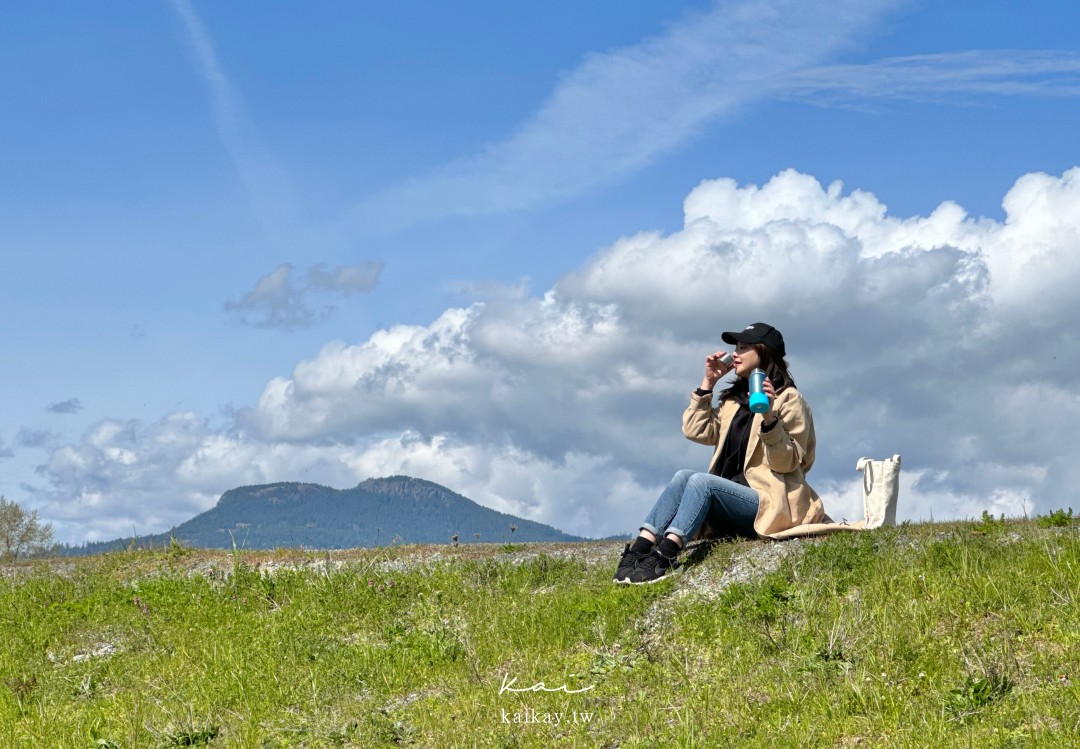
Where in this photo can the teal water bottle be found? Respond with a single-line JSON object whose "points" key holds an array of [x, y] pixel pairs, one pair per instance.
{"points": [[759, 401]]}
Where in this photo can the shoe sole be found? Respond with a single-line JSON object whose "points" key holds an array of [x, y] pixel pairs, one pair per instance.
{"points": [[667, 576]]}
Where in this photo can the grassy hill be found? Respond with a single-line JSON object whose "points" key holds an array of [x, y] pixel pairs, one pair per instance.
{"points": [[958, 635]]}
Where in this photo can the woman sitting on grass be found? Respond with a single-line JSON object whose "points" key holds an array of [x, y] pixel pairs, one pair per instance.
{"points": [[756, 482]]}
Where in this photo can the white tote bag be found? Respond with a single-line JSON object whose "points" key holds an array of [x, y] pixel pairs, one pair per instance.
{"points": [[881, 488]]}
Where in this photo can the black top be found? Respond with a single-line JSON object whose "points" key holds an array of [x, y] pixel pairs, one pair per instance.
{"points": [[733, 454]]}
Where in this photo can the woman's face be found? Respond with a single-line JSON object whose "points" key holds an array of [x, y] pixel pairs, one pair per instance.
{"points": [[747, 359]]}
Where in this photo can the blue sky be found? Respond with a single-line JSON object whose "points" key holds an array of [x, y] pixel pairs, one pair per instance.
{"points": [[248, 242]]}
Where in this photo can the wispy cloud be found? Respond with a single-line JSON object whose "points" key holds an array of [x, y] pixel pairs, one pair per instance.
{"points": [[954, 77], [620, 111], [278, 301], [70, 406], [264, 181]]}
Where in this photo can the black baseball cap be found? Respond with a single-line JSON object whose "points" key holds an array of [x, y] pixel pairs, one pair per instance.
{"points": [[759, 332]]}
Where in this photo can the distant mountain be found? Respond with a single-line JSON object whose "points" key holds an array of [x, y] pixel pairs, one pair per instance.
{"points": [[377, 512]]}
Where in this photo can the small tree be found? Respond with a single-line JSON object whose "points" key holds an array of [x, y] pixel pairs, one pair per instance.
{"points": [[20, 531]]}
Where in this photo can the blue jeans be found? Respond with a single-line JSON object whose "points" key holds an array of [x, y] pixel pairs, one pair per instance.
{"points": [[684, 505]]}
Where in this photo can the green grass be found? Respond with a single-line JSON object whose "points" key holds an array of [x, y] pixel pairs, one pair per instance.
{"points": [[923, 636]]}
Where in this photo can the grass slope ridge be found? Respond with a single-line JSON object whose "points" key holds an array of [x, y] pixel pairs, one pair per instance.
{"points": [[397, 509], [954, 635]]}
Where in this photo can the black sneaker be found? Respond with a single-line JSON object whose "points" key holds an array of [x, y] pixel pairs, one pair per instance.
{"points": [[655, 566], [627, 563]]}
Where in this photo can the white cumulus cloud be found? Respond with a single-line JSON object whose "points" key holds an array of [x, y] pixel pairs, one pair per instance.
{"points": [[946, 338]]}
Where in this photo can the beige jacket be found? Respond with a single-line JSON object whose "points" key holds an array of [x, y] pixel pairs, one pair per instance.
{"points": [[776, 462]]}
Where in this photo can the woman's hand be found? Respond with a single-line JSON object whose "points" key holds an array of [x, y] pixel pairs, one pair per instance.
{"points": [[769, 416], [714, 370]]}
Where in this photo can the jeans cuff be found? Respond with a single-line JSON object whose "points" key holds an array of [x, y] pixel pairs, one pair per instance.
{"points": [[651, 529], [677, 532]]}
